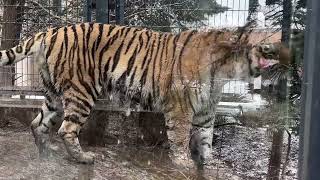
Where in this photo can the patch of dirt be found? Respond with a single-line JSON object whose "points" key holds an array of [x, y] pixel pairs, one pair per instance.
{"points": [[19, 160], [239, 153]]}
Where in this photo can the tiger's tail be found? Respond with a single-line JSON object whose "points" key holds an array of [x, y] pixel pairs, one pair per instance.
{"points": [[21, 51]]}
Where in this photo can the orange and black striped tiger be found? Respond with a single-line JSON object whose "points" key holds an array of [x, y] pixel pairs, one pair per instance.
{"points": [[175, 72]]}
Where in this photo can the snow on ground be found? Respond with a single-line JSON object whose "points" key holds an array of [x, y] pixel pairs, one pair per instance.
{"points": [[246, 151]]}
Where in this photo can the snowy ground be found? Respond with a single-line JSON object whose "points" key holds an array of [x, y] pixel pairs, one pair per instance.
{"points": [[246, 151], [239, 152]]}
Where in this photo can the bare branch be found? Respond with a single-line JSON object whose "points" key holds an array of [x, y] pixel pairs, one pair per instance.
{"points": [[47, 11]]}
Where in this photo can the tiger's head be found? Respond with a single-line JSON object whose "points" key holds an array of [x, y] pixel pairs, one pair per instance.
{"points": [[243, 58], [276, 51], [261, 57], [226, 54]]}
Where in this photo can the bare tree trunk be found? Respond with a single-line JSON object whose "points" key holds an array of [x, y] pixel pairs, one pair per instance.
{"points": [[11, 29], [275, 156], [287, 158]]}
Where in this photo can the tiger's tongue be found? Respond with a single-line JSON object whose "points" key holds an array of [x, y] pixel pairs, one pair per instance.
{"points": [[264, 63]]}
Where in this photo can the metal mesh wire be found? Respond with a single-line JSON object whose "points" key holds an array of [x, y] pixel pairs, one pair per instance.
{"points": [[19, 19]]}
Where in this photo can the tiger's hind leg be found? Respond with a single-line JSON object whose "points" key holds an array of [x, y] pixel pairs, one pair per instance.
{"points": [[76, 112], [42, 125], [201, 133]]}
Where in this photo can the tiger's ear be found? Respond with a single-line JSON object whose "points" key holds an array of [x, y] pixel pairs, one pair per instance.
{"points": [[247, 27], [245, 31]]}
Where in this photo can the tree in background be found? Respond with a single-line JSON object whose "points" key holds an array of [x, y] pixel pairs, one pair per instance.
{"points": [[290, 18], [297, 48], [166, 15], [299, 13], [162, 15]]}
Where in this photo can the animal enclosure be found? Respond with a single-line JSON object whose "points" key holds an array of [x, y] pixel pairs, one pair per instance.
{"points": [[252, 119]]}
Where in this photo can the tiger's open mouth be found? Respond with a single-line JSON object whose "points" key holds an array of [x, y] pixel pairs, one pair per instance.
{"points": [[262, 60], [267, 56], [263, 63]]}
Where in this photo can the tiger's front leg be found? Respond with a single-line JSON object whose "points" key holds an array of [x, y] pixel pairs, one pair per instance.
{"points": [[201, 136]]}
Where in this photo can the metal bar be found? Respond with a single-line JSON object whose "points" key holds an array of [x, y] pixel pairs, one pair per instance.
{"points": [[120, 12], [102, 10], [87, 11], [309, 159], [103, 105]]}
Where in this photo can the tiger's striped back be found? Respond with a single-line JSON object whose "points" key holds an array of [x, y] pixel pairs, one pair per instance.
{"points": [[93, 54]]}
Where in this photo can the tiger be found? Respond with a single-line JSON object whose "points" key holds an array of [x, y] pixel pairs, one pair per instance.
{"points": [[290, 59], [277, 51], [176, 72]]}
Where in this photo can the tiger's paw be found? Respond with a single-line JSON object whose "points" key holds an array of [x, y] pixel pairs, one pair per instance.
{"points": [[204, 164], [207, 170], [86, 158], [48, 150], [181, 160]]}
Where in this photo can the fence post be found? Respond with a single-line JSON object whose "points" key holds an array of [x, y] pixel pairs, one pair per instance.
{"points": [[309, 158], [274, 167], [120, 12], [87, 11], [102, 10]]}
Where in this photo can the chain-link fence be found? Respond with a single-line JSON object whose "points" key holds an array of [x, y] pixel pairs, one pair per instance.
{"points": [[19, 19]]}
